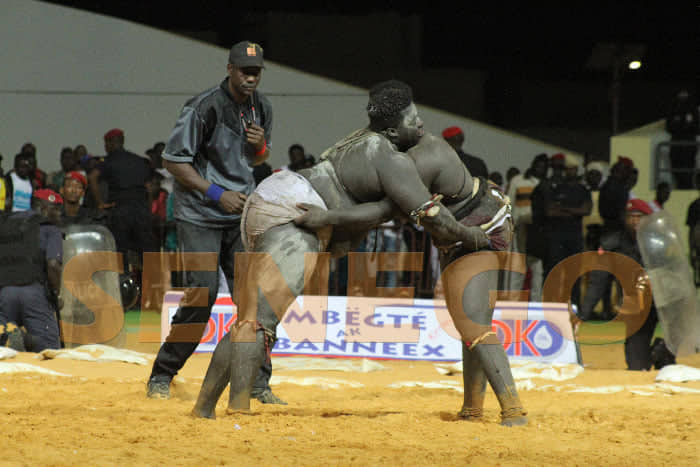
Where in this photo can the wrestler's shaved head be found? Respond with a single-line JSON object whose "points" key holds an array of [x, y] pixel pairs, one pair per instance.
{"points": [[386, 101]]}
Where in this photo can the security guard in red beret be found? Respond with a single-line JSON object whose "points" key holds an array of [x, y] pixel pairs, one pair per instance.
{"points": [[638, 348], [128, 212]]}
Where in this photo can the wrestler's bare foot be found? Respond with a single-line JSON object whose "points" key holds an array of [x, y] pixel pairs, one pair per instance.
{"points": [[232, 411], [514, 417], [200, 413], [268, 397], [471, 414]]}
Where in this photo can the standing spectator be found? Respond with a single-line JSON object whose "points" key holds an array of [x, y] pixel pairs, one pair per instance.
{"points": [[69, 162], [157, 202], [565, 204], [612, 202], [537, 241], [520, 191], [663, 193], [3, 188], [88, 164], [692, 220], [510, 173], [129, 217], [593, 223], [455, 137], [31, 251], [170, 243], [220, 135], [496, 178], [614, 194], [156, 156], [682, 124], [632, 182], [19, 184]]}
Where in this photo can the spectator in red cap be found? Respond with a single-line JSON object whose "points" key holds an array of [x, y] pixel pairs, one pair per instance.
{"points": [[73, 191], [127, 210], [638, 348], [455, 137], [31, 274]]}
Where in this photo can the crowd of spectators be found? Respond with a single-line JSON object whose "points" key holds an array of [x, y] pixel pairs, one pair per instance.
{"points": [[560, 208]]}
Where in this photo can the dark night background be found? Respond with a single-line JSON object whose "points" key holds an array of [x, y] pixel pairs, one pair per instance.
{"points": [[525, 68]]}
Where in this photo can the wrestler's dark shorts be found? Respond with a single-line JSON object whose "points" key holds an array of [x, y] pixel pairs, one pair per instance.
{"points": [[490, 209]]}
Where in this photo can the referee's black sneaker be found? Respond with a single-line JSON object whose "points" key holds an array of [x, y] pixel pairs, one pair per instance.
{"points": [[158, 387]]}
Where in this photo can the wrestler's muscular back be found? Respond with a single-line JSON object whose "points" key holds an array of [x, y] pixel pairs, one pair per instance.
{"points": [[348, 177], [441, 170]]}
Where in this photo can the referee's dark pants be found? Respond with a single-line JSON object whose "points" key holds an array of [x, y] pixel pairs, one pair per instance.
{"points": [[224, 242]]}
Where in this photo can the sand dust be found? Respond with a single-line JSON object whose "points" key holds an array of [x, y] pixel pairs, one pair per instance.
{"points": [[100, 416]]}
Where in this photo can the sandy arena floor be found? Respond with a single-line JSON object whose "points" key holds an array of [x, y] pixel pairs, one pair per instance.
{"points": [[100, 416]]}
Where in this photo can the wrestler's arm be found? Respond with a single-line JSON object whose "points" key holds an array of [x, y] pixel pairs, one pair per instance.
{"points": [[401, 182], [358, 217]]}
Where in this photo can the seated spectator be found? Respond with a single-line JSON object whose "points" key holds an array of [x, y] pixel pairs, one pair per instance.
{"points": [[72, 211], [68, 163], [79, 152], [309, 161], [38, 176], [31, 251], [297, 158], [19, 184]]}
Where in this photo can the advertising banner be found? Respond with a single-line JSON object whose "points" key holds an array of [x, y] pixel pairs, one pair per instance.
{"points": [[395, 328]]}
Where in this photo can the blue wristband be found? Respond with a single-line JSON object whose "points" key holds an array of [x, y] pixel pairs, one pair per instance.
{"points": [[214, 192]]}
